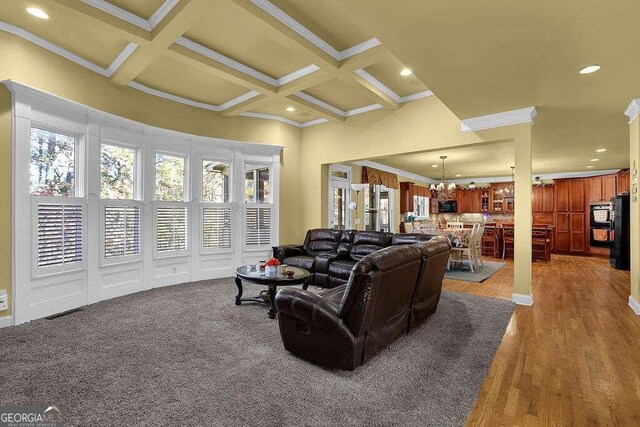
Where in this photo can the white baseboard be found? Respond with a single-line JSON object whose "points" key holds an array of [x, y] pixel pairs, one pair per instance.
{"points": [[522, 299], [635, 305], [6, 321]]}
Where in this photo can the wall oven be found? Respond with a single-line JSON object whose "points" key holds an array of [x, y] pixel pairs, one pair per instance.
{"points": [[600, 218]]}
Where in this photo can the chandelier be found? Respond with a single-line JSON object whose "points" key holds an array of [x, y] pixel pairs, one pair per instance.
{"points": [[444, 190]]}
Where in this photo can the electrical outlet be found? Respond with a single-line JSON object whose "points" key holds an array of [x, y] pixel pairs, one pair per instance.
{"points": [[4, 304]]}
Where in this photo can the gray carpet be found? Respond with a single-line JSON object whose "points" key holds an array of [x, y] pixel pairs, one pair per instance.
{"points": [[186, 355], [479, 275]]}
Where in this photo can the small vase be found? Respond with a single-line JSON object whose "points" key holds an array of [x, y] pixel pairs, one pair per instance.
{"points": [[271, 270]]}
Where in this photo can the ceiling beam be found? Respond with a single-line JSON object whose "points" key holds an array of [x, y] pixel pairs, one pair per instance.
{"points": [[181, 18], [103, 21]]}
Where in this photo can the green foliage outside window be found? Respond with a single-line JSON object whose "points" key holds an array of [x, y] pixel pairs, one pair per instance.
{"points": [[169, 178], [215, 182], [52, 169], [117, 172]]}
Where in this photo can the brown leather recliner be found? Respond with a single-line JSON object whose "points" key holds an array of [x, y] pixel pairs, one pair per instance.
{"points": [[346, 326], [317, 242], [364, 243]]}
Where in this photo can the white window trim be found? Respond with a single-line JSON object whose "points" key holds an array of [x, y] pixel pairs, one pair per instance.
{"points": [[186, 186], [255, 182], [234, 209], [229, 163], [79, 164], [377, 209], [126, 259], [41, 272], [336, 182], [175, 253], [137, 166]]}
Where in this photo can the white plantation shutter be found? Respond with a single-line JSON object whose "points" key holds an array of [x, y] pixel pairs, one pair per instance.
{"points": [[216, 227], [257, 225], [121, 230], [171, 228], [59, 234]]}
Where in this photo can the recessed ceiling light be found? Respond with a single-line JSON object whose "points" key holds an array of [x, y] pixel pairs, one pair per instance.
{"points": [[589, 166], [405, 72], [434, 166], [594, 160], [458, 176], [590, 69], [290, 109], [38, 13], [601, 150]]}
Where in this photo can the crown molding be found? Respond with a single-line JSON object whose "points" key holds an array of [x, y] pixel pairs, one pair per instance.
{"points": [[51, 47], [543, 177], [122, 56], [145, 24], [297, 74], [162, 11], [359, 48], [242, 98], [391, 169], [22, 89], [378, 84], [415, 96], [361, 110], [171, 97], [633, 110], [284, 119], [506, 118]]}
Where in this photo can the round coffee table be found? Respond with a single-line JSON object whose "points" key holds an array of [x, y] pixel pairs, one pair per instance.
{"points": [[272, 282]]}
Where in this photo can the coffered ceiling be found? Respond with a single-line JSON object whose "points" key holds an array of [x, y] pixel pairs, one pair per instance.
{"points": [[302, 62]]}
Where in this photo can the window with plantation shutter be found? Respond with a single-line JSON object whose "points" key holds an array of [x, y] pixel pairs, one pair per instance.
{"points": [[171, 228], [257, 226], [216, 228], [121, 230], [59, 234]]}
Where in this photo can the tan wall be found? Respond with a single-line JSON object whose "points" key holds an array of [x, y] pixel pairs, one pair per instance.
{"points": [[31, 65], [5, 195]]}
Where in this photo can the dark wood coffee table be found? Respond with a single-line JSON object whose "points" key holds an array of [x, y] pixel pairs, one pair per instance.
{"points": [[271, 282]]}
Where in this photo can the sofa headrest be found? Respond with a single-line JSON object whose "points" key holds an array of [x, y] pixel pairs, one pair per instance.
{"points": [[409, 238], [322, 240], [436, 246], [376, 238], [388, 258], [346, 240]]}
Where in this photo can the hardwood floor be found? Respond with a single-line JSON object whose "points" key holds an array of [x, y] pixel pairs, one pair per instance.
{"points": [[571, 359]]}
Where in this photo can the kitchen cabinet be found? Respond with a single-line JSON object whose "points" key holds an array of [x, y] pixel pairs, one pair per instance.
{"points": [[469, 201], [542, 199], [624, 181], [502, 198], [602, 188], [570, 217], [407, 190]]}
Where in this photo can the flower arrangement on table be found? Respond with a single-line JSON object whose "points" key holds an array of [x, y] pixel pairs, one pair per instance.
{"points": [[271, 267]]}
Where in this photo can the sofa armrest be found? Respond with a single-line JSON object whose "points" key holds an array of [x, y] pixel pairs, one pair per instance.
{"points": [[309, 308], [286, 251], [323, 261]]}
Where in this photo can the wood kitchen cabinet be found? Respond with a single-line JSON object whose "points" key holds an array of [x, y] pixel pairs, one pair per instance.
{"points": [[570, 217], [469, 201], [407, 190], [602, 188], [542, 199], [624, 181]]}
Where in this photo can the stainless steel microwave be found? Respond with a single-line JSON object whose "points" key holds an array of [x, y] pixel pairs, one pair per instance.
{"points": [[447, 206]]}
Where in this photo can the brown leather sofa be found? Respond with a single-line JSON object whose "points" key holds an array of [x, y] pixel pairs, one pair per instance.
{"points": [[329, 255], [389, 293]]}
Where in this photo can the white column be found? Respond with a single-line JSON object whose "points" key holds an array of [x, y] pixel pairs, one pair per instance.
{"points": [[522, 218], [634, 151]]}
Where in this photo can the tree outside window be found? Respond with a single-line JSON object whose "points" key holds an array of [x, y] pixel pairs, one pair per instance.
{"points": [[215, 182], [52, 169], [169, 178], [117, 172], [257, 186]]}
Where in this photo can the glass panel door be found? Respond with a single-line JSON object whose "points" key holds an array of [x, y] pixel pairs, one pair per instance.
{"points": [[339, 205]]}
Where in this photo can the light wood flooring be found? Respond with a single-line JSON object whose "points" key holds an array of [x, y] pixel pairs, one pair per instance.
{"points": [[571, 359]]}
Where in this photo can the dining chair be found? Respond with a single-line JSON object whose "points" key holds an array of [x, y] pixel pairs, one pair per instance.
{"points": [[478, 244], [540, 243], [489, 241], [455, 225], [508, 239], [466, 254]]}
